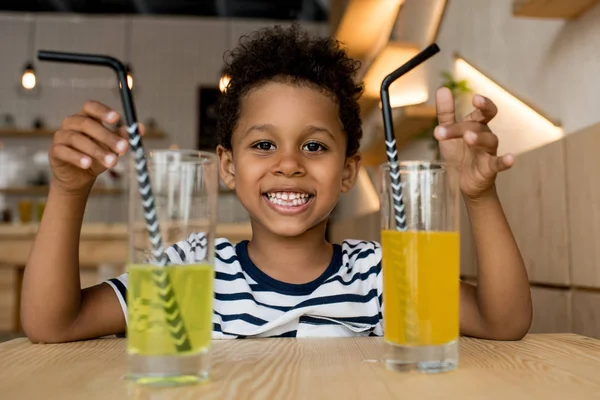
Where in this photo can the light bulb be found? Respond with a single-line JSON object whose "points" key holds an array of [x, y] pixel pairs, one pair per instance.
{"points": [[28, 80], [129, 80], [223, 83]]}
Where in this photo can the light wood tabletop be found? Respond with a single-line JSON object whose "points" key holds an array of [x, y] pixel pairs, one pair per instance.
{"points": [[555, 366]]}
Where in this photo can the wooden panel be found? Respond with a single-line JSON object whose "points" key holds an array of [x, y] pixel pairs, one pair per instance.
{"points": [[583, 164], [567, 9], [551, 310], [91, 252], [586, 313], [7, 298], [100, 243], [89, 278], [9, 293], [419, 21], [468, 255], [365, 28], [365, 227], [103, 231], [534, 200]]}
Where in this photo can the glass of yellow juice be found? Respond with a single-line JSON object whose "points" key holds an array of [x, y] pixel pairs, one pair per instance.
{"points": [[170, 307], [420, 262]]}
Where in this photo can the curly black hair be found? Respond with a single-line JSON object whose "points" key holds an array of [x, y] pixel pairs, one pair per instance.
{"points": [[291, 55]]}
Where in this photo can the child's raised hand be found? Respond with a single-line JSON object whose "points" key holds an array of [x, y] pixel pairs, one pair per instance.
{"points": [[84, 147], [470, 144]]}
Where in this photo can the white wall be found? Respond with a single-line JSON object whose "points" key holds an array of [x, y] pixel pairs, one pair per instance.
{"points": [[171, 57], [551, 64]]}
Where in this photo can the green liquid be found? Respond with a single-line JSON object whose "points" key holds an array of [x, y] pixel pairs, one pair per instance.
{"points": [[169, 309]]}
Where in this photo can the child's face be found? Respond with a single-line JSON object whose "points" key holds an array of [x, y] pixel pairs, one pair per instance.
{"points": [[288, 164]]}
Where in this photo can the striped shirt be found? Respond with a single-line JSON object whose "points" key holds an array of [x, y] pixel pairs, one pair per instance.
{"points": [[346, 300]]}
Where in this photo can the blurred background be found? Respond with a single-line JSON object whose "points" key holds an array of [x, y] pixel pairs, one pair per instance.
{"points": [[536, 59]]}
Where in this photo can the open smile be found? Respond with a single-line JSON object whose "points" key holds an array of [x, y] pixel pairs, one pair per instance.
{"points": [[288, 202]]}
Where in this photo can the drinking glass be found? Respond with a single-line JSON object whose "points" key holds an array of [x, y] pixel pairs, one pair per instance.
{"points": [[170, 306], [421, 267]]}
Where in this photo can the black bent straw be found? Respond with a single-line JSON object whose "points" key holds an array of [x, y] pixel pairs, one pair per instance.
{"points": [[134, 137], [388, 127], [161, 277], [411, 326]]}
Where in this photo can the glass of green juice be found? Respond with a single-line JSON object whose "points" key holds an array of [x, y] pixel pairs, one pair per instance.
{"points": [[170, 306]]}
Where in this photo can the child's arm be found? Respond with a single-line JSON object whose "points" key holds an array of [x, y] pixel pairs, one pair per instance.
{"points": [[499, 307], [54, 308]]}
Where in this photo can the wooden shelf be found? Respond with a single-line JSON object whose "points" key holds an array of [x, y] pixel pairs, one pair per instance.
{"points": [[43, 190], [562, 9], [29, 133]]}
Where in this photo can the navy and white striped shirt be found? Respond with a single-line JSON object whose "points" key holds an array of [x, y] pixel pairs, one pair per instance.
{"points": [[346, 300]]}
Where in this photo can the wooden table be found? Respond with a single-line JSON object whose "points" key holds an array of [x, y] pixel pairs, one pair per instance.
{"points": [[557, 366]]}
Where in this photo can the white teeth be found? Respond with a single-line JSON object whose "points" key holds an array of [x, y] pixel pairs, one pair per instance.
{"points": [[288, 199]]}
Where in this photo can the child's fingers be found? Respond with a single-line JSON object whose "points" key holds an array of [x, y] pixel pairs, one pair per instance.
{"points": [[100, 112], [71, 156], [457, 130], [499, 164], [97, 131], [444, 104], [485, 140], [86, 146], [485, 110]]}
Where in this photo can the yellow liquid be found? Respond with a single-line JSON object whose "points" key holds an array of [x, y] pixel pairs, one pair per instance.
{"points": [[420, 287], [179, 322]]}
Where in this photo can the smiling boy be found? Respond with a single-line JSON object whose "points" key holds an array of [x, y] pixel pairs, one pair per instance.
{"points": [[289, 132]]}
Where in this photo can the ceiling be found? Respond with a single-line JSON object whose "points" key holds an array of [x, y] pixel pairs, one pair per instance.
{"points": [[301, 10]]}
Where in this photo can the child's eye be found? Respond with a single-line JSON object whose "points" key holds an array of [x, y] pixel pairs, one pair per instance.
{"points": [[265, 146], [313, 147]]}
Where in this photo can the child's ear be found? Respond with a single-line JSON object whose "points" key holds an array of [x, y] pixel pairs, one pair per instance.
{"points": [[350, 173], [226, 166]]}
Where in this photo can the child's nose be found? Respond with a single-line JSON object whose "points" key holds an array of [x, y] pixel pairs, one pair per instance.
{"points": [[289, 163]]}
